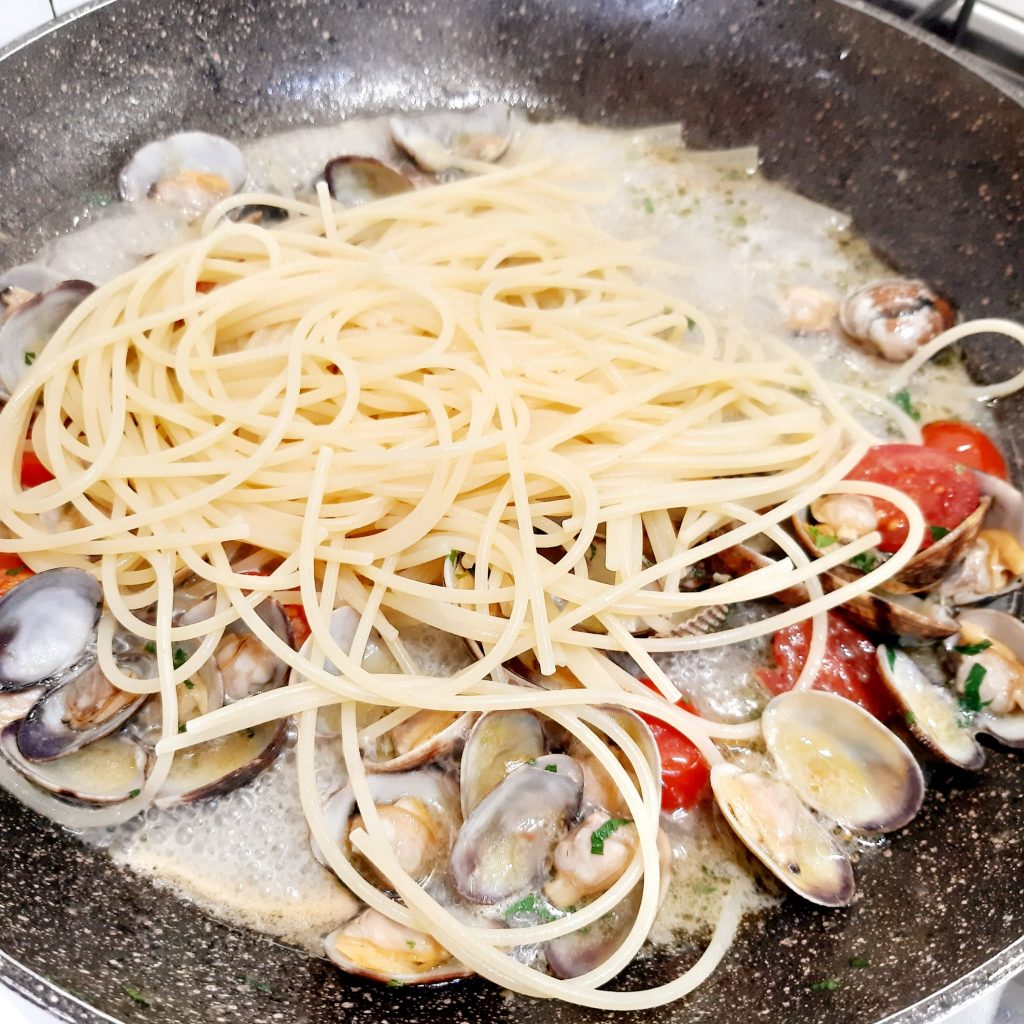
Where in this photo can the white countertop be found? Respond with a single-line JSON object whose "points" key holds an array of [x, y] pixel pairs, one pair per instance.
{"points": [[21, 16]]}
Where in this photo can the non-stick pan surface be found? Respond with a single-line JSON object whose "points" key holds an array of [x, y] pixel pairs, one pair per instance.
{"points": [[851, 111]]}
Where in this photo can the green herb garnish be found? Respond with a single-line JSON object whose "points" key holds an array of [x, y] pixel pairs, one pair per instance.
{"points": [[531, 904], [135, 995], [15, 571], [648, 205], [890, 656], [410, 943], [30, 358], [820, 537], [150, 648], [134, 793], [599, 835], [453, 556], [181, 728], [911, 718], [255, 983], [592, 553], [551, 768], [865, 561], [981, 645], [825, 986], [860, 962], [705, 887], [937, 532], [902, 399], [690, 323], [189, 685], [180, 657], [395, 983], [971, 700]]}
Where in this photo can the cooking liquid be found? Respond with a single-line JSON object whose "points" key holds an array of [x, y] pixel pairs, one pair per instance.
{"points": [[739, 244]]}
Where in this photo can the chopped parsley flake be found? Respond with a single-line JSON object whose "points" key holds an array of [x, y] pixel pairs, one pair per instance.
{"points": [[592, 553], [890, 656], [971, 700], [551, 768], [151, 647], [820, 537], [599, 835], [453, 556], [180, 657], [902, 399], [411, 943], [181, 728], [30, 358], [395, 983], [690, 323], [255, 983], [860, 962], [134, 793], [865, 561], [189, 685], [135, 995], [981, 645], [531, 904], [825, 986], [911, 718], [648, 205], [15, 571], [937, 532]]}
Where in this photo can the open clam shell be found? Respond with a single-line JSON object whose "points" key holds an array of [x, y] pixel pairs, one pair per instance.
{"points": [[887, 615], [219, 766], [504, 845], [354, 180], [842, 761], [424, 737], [107, 771], [581, 951], [775, 825], [925, 569], [932, 712], [373, 946], [440, 141], [498, 744], [27, 329], [197, 153], [30, 278], [48, 624]]}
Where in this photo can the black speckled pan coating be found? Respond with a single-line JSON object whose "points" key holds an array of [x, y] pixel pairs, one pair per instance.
{"points": [[853, 112]]}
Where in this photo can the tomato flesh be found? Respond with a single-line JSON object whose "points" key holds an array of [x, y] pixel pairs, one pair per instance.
{"points": [[12, 571], [33, 472], [685, 774], [968, 445], [945, 491], [848, 666]]}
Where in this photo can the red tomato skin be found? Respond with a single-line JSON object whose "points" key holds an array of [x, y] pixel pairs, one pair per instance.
{"points": [[967, 444], [848, 667], [12, 571], [945, 491], [685, 775], [33, 472]]}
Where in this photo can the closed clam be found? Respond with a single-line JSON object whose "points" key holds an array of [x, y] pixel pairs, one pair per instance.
{"points": [[47, 626], [498, 743], [778, 828], [842, 761], [504, 846]]}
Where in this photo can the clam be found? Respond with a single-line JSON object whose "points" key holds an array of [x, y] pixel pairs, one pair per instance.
{"points": [[579, 871], [219, 766], [504, 846], [24, 282], [423, 737], [842, 761], [776, 826], [587, 948], [47, 625], [442, 141], [993, 564], [933, 712], [191, 171], [498, 743], [16, 705], [83, 708], [419, 813], [27, 329], [890, 615], [896, 316], [108, 771], [376, 947], [354, 180], [922, 572]]}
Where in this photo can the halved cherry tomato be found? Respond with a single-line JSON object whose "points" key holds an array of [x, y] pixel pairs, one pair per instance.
{"points": [[945, 491], [12, 571], [968, 445], [684, 772], [848, 667], [300, 624], [33, 472]]}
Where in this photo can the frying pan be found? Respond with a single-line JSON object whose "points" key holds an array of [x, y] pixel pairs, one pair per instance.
{"points": [[925, 153]]}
